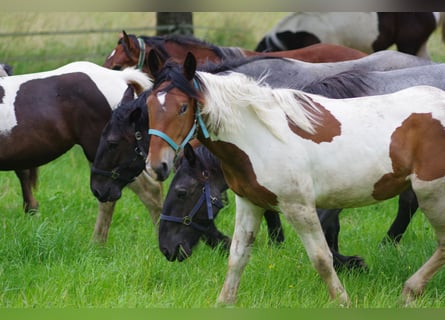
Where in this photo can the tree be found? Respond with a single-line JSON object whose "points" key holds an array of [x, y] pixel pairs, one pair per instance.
{"points": [[174, 22]]}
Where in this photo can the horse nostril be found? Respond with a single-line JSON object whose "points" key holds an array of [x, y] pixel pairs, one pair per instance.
{"points": [[181, 193]]}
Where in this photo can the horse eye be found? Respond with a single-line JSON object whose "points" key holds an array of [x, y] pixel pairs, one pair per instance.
{"points": [[183, 108], [112, 145]]}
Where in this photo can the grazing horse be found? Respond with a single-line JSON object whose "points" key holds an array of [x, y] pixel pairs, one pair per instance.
{"points": [[133, 51], [365, 31], [45, 114], [283, 149]]}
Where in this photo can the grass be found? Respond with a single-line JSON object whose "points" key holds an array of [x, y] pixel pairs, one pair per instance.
{"points": [[47, 260]]}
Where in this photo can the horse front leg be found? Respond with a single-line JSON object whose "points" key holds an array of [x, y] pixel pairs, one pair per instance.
{"points": [[149, 191], [305, 221], [247, 223], [28, 181], [103, 221]]}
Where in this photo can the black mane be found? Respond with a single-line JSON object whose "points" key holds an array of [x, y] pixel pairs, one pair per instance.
{"points": [[123, 110], [343, 85]]}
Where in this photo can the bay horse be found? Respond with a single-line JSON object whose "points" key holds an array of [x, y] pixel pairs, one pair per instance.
{"points": [[132, 50], [277, 147], [365, 31], [45, 114]]}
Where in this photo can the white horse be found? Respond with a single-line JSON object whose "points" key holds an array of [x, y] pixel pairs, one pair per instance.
{"points": [[289, 151]]}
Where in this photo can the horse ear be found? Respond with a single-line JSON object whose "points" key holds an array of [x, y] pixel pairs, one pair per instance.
{"points": [[189, 154], [126, 39], [135, 115], [189, 66], [128, 94], [154, 63]]}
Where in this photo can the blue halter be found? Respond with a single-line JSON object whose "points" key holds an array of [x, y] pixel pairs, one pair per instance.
{"points": [[198, 122], [188, 219], [141, 53]]}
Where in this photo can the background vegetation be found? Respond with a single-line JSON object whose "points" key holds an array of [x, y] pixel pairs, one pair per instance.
{"points": [[47, 260]]}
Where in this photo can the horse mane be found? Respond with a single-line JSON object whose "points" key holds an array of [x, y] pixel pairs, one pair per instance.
{"points": [[231, 64], [120, 114], [226, 93], [343, 85]]}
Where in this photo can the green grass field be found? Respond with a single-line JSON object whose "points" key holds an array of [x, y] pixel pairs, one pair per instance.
{"points": [[47, 260]]}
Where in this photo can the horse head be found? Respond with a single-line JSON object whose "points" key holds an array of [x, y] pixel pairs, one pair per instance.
{"points": [[120, 156], [173, 112], [191, 204]]}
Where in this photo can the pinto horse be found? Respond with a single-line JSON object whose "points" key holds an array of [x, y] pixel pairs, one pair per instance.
{"points": [[118, 140], [365, 31], [396, 141], [133, 51], [122, 150], [45, 114]]}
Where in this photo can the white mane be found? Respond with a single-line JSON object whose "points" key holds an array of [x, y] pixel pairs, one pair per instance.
{"points": [[227, 94]]}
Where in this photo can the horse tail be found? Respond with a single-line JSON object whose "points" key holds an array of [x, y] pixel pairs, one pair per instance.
{"points": [[137, 78]]}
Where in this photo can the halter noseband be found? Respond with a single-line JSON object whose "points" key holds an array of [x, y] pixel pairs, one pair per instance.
{"points": [[188, 219], [192, 133], [114, 174], [141, 53]]}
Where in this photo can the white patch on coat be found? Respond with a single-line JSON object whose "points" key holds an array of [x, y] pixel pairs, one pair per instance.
{"points": [[357, 30], [111, 83]]}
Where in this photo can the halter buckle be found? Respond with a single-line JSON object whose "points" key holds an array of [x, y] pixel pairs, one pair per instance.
{"points": [[187, 220]]}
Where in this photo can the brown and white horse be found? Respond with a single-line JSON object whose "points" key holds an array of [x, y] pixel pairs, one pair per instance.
{"points": [[43, 115], [287, 150]]}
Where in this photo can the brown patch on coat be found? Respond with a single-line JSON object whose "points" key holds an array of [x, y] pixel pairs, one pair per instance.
{"points": [[239, 174], [417, 146], [327, 129]]}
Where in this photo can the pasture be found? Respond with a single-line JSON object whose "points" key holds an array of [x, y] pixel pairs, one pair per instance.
{"points": [[47, 260]]}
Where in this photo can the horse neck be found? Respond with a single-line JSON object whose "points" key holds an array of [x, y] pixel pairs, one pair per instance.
{"points": [[214, 166]]}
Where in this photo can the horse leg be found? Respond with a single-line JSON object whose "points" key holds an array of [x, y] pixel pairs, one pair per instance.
{"points": [[330, 223], [274, 227], [247, 223], [103, 221], [432, 205], [306, 223], [213, 238], [407, 207], [28, 181], [149, 192]]}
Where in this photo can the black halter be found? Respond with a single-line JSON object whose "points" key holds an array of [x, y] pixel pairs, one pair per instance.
{"points": [[188, 219], [115, 173]]}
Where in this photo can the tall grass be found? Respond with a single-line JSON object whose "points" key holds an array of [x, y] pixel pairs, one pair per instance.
{"points": [[47, 260]]}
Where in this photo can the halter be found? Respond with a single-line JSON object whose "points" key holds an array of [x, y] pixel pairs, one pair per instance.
{"points": [[114, 174], [141, 53], [192, 133], [188, 219]]}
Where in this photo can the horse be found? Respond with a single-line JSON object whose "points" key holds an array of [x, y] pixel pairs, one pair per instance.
{"points": [[123, 140], [45, 114], [365, 31], [122, 152], [366, 83], [132, 50], [277, 147]]}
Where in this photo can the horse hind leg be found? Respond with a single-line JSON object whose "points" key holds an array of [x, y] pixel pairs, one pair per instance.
{"points": [[28, 181], [306, 223], [430, 200]]}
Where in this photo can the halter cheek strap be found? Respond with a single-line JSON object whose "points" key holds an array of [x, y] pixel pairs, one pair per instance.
{"points": [[141, 53], [198, 122]]}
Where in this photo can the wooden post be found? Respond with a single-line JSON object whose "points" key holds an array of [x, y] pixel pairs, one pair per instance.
{"points": [[174, 22]]}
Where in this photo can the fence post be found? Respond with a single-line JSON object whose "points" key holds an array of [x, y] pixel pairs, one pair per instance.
{"points": [[174, 22]]}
